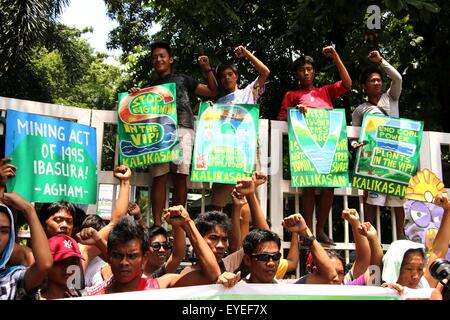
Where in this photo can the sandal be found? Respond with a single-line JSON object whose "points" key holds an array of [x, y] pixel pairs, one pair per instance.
{"points": [[325, 240]]}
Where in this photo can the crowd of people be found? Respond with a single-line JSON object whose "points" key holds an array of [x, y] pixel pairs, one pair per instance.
{"points": [[123, 254]]}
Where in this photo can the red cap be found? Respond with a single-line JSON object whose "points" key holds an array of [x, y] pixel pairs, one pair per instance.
{"points": [[62, 247]]}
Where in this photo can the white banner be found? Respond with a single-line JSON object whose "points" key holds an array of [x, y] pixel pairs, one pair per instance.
{"points": [[244, 291]]}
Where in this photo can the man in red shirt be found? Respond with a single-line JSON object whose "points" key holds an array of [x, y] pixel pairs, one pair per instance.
{"points": [[306, 97], [128, 251]]}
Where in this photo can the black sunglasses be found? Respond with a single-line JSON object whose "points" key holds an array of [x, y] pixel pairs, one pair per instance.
{"points": [[157, 245], [266, 256]]}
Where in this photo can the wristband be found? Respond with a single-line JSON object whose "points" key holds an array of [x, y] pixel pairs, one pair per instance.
{"points": [[307, 241]]}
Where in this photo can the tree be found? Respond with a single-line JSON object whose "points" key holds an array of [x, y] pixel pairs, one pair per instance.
{"points": [[63, 69], [24, 24], [278, 31]]}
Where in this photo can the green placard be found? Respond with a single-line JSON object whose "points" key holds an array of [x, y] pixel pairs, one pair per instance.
{"points": [[55, 159], [389, 156], [318, 150], [148, 125], [225, 143]]}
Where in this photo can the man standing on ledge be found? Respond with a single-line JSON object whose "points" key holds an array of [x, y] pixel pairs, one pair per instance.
{"points": [[187, 88], [309, 96], [228, 76], [383, 104]]}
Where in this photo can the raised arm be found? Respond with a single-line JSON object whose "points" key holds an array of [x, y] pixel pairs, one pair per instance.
{"points": [[343, 73], [362, 260], [238, 202], [123, 173], [442, 240], [325, 269], [376, 251], [35, 274], [21, 255], [247, 188], [396, 78], [247, 214], [211, 89], [210, 270], [260, 67], [6, 170], [179, 249], [90, 237], [294, 252]]}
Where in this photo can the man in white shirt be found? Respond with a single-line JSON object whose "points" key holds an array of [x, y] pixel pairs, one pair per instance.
{"points": [[383, 104]]}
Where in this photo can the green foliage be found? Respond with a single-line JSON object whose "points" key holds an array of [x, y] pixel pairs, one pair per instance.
{"points": [[44, 60], [413, 37], [23, 24], [63, 69]]}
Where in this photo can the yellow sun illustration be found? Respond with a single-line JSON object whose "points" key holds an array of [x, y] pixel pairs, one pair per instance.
{"points": [[424, 186], [373, 124], [211, 114]]}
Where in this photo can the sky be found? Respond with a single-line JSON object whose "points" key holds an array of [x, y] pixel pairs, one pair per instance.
{"points": [[90, 13]]}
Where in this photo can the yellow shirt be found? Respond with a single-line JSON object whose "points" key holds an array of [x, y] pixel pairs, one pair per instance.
{"points": [[282, 268]]}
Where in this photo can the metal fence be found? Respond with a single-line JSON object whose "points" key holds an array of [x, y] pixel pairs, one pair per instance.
{"points": [[274, 195]]}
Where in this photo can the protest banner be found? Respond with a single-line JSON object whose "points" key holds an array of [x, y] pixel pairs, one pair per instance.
{"points": [[424, 186], [389, 155], [318, 150], [422, 223], [56, 160], [245, 291], [225, 143], [147, 126], [422, 217]]}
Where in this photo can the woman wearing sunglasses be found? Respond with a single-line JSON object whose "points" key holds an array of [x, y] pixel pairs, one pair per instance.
{"points": [[159, 247]]}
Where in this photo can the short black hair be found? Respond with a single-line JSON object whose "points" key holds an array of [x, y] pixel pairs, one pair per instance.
{"points": [[93, 221], [128, 229], [367, 72], [331, 254], [49, 209], [80, 215], [334, 254], [161, 44], [301, 61], [412, 252], [207, 221], [156, 230], [257, 236], [226, 65]]}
